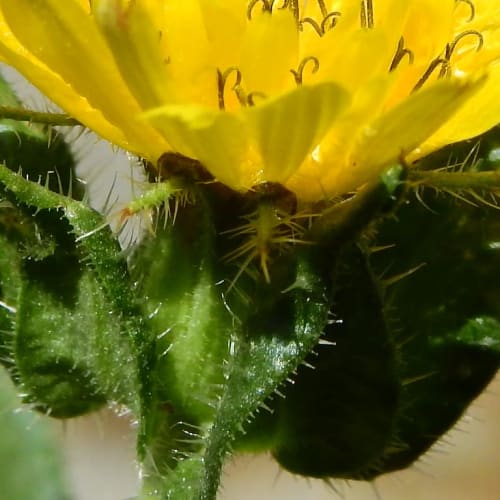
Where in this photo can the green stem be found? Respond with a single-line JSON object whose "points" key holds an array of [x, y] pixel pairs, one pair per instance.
{"points": [[344, 221], [456, 181], [30, 115]]}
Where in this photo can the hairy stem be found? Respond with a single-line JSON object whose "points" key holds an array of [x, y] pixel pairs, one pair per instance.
{"points": [[489, 180], [30, 115]]}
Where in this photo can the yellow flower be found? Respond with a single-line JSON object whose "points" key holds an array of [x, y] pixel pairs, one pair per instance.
{"points": [[318, 95]]}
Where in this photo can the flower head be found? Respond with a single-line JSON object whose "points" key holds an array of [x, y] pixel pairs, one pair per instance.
{"points": [[318, 95]]}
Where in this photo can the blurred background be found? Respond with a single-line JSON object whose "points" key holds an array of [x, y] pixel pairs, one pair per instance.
{"points": [[465, 465]]}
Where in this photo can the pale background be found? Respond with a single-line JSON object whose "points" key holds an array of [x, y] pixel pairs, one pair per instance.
{"points": [[99, 449]]}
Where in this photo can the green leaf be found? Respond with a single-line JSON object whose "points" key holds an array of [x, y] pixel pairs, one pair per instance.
{"points": [[43, 153], [65, 334], [337, 418], [31, 464], [446, 314], [10, 283]]}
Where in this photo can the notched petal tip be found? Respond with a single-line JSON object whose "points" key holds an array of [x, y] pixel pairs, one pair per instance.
{"points": [[405, 128], [217, 139], [289, 127], [476, 115]]}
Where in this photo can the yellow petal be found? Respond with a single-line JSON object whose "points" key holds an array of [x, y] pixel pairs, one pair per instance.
{"points": [[78, 55], [403, 128], [480, 113], [64, 37], [85, 5], [217, 139], [224, 23], [429, 27], [400, 131], [370, 46], [14, 54], [269, 52], [289, 127], [477, 15], [133, 31], [365, 53], [320, 176], [191, 64]]}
